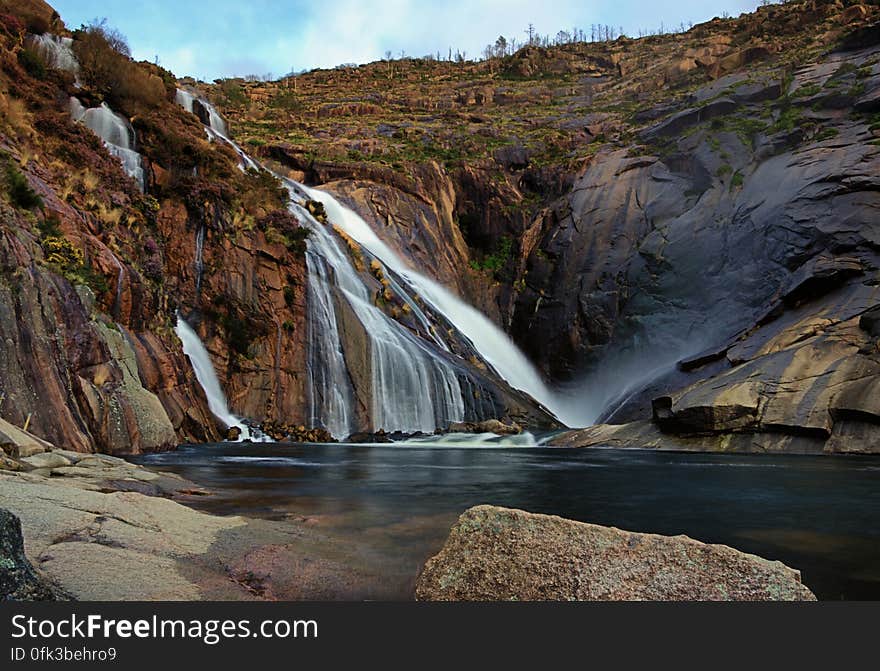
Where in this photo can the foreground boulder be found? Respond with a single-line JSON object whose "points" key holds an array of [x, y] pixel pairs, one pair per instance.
{"points": [[495, 554], [18, 580]]}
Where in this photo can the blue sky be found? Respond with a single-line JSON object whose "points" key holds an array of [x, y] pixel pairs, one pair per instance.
{"points": [[242, 37]]}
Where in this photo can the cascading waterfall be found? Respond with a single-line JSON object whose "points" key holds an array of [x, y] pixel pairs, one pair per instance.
{"points": [[413, 388], [492, 344], [56, 51], [207, 377], [206, 112], [416, 385], [331, 397], [117, 134]]}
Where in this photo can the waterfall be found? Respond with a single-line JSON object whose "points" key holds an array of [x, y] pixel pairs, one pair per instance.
{"points": [[206, 112], [412, 387], [416, 384], [56, 51], [204, 370], [117, 134], [493, 345], [330, 392]]}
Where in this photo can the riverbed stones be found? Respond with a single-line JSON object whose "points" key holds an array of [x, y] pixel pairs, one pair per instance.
{"points": [[501, 554]]}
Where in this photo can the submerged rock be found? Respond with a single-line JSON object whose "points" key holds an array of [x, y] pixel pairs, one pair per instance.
{"points": [[500, 554], [487, 426], [295, 433]]}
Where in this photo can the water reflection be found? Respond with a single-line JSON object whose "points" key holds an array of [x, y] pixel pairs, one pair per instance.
{"points": [[818, 514]]}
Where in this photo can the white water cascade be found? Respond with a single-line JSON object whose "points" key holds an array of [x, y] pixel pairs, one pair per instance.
{"points": [[415, 383], [208, 115], [117, 134], [493, 345], [56, 51], [207, 377], [413, 388]]}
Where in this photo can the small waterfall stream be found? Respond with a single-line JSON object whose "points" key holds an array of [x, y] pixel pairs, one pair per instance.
{"points": [[117, 134], [207, 377], [56, 51], [199, 252]]}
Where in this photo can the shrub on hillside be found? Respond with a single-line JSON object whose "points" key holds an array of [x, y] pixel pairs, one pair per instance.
{"points": [[20, 192], [280, 226], [106, 69], [32, 63], [36, 16], [12, 26]]}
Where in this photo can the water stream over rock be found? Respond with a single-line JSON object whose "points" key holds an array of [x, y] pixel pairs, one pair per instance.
{"points": [[416, 383], [117, 134]]}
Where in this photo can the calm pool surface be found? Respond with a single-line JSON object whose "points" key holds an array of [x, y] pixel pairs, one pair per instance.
{"points": [[818, 514]]}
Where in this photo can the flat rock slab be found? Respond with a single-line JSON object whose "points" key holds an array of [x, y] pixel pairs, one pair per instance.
{"points": [[47, 460], [100, 546], [500, 554]]}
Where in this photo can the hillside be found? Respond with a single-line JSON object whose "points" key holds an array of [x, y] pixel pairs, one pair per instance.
{"points": [[641, 216], [680, 231]]}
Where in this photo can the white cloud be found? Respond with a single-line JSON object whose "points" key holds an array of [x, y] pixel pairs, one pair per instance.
{"points": [[259, 37], [352, 31]]}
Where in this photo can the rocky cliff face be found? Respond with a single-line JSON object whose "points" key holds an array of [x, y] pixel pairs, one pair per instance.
{"points": [[681, 228], [93, 272]]}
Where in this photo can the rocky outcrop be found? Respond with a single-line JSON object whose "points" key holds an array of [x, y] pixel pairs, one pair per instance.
{"points": [[18, 579], [105, 530], [17, 443], [499, 554], [720, 277], [99, 546]]}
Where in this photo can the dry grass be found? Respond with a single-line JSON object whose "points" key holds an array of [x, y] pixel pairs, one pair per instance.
{"points": [[16, 118]]}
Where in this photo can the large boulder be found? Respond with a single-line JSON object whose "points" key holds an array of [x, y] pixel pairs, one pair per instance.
{"points": [[500, 554], [18, 580]]}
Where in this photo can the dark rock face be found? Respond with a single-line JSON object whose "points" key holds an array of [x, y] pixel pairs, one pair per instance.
{"points": [[870, 321], [18, 580], [499, 554], [659, 271]]}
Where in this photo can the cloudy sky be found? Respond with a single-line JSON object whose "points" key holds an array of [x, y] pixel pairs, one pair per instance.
{"points": [[236, 37]]}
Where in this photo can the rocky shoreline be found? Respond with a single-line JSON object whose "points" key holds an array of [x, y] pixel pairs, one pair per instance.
{"points": [[96, 527]]}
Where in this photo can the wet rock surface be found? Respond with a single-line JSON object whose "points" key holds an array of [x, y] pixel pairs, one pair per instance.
{"points": [[501, 554]]}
